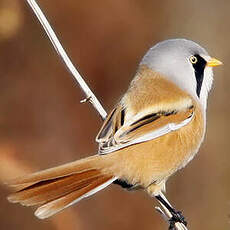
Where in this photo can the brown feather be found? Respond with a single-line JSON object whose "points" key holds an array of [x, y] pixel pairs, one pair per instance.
{"points": [[62, 184], [54, 173], [57, 205], [45, 191]]}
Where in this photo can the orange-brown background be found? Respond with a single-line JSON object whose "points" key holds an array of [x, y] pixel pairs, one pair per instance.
{"points": [[42, 123]]}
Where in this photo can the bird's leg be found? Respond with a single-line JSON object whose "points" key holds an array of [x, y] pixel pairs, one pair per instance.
{"points": [[176, 216]]}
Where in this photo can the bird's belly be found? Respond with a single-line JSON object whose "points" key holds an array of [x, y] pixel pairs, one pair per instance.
{"points": [[154, 161]]}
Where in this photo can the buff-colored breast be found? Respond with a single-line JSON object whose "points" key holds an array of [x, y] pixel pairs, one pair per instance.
{"points": [[154, 161]]}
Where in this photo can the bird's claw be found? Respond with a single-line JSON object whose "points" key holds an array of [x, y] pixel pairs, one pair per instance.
{"points": [[177, 217]]}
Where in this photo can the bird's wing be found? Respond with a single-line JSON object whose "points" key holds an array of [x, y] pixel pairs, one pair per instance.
{"points": [[118, 131]]}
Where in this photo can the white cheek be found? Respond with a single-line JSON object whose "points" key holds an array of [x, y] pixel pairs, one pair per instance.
{"points": [[206, 86], [208, 78]]}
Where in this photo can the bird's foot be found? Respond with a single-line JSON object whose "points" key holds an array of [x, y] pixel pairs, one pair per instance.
{"points": [[176, 217]]}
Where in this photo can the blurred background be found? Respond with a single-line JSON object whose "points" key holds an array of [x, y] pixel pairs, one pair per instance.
{"points": [[43, 124]]}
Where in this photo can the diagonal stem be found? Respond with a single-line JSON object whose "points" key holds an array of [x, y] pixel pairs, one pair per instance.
{"points": [[63, 55]]}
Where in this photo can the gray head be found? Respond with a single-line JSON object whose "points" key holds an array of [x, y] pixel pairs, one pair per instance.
{"points": [[185, 63]]}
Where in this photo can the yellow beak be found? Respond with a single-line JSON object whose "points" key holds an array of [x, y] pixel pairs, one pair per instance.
{"points": [[214, 62]]}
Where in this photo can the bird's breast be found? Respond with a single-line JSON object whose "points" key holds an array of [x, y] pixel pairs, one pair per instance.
{"points": [[156, 160]]}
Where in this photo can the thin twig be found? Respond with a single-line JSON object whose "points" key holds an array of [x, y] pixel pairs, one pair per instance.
{"points": [[63, 55], [165, 213]]}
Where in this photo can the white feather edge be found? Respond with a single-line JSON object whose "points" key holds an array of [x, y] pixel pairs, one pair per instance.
{"points": [[150, 136], [44, 211]]}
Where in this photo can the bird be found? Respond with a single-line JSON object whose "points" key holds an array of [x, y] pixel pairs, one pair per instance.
{"points": [[154, 130]]}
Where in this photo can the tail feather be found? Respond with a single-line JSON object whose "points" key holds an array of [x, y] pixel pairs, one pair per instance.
{"points": [[58, 205], [45, 191], [53, 173], [60, 187]]}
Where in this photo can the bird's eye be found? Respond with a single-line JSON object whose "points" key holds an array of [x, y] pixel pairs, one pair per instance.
{"points": [[193, 59]]}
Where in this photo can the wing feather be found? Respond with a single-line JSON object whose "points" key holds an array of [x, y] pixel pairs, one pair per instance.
{"points": [[152, 107], [153, 125]]}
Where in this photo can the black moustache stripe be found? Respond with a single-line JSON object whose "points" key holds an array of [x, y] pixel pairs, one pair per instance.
{"points": [[199, 73]]}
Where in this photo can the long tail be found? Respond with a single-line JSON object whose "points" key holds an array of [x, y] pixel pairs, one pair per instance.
{"points": [[57, 188]]}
